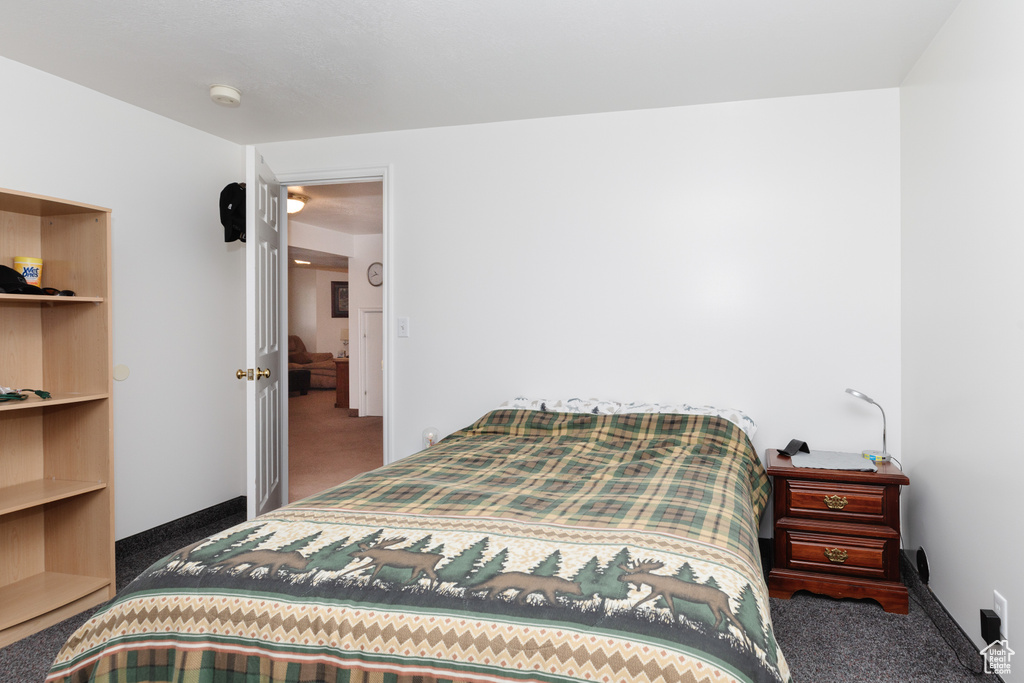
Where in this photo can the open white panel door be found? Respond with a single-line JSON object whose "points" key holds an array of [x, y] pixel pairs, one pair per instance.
{"points": [[265, 466]]}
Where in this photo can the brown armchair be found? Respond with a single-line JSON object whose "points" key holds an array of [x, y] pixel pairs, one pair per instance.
{"points": [[322, 371]]}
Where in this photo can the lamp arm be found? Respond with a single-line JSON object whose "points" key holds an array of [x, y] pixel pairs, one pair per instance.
{"points": [[885, 449], [861, 396]]}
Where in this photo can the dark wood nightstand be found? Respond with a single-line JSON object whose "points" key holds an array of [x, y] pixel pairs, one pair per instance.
{"points": [[837, 532], [341, 386]]}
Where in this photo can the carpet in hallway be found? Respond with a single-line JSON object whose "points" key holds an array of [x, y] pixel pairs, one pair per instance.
{"points": [[326, 446]]}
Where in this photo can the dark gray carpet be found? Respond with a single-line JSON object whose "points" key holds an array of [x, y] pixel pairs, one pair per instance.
{"points": [[852, 641], [827, 640], [824, 640]]}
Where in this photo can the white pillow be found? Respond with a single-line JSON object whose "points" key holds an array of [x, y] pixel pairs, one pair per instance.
{"points": [[572, 405], [599, 407]]}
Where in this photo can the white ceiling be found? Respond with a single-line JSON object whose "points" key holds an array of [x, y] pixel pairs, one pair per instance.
{"points": [[352, 208], [313, 68]]}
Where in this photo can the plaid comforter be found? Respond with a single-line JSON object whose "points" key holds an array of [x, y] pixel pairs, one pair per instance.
{"points": [[530, 546]]}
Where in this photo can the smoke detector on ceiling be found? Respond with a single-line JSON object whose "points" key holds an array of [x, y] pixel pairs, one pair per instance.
{"points": [[225, 95]]}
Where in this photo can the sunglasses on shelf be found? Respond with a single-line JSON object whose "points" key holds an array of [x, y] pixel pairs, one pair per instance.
{"points": [[53, 291]]}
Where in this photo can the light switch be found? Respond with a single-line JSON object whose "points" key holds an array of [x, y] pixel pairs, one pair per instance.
{"points": [[403, 327]]}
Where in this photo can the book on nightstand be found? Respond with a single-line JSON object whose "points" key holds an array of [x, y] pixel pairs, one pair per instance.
{"points": [[833, 460]]}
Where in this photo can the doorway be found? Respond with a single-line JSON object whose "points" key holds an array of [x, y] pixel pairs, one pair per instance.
{"points": [[332, 240]]}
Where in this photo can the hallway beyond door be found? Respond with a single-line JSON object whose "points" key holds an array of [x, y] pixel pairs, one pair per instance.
{"points": [[326, 446]]}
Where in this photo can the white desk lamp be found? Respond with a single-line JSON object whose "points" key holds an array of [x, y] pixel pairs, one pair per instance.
{"points": [[874, 456]]}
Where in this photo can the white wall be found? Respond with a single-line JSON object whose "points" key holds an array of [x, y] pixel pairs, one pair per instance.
{"points": [[302, 305], [328, 329], [178, 289], [309, 309], [318, 239], [962, 119], [744, 254], [320, 332]]}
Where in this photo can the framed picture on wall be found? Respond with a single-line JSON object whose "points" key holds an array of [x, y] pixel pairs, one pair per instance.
{"points": [[339, 299]]}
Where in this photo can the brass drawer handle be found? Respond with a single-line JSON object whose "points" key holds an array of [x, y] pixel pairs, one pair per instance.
{"points": [[836, 555], [836, 502]]}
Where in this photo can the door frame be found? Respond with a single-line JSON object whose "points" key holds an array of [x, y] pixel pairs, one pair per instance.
{"points": [[380, 174]]}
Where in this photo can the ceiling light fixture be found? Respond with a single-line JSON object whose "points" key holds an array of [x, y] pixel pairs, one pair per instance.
{"points": [[302, 263], [225, 95], [296, 202]]}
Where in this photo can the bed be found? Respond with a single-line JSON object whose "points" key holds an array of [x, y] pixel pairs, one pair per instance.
{"points": [[533, 545]]}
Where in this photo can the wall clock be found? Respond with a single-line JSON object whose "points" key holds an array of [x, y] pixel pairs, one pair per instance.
{"points": [[375, 274]]}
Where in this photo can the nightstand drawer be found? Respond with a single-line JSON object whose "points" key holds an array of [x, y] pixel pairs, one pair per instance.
{"points": [[833, 554], [852, 503]]}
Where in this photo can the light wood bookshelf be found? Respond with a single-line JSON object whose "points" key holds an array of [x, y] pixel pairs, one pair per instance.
{"points": [[56, 454]]}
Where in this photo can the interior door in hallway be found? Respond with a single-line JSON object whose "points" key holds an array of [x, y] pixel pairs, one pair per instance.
{"points": [[372, 326]]}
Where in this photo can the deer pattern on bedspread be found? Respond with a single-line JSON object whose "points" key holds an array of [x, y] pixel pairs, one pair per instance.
{"points": [[529, 547]]}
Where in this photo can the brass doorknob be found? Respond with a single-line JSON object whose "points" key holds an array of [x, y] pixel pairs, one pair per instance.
{"points": [[250, 374]]}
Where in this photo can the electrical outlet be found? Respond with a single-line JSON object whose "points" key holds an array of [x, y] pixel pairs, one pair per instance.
{"points": [[1002, 610]]}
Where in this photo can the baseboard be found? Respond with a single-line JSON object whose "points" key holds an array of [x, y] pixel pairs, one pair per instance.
{"points": [[183, 524]]}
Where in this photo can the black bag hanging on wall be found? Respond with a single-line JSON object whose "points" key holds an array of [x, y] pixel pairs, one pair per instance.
{"points": [[232, 212]]}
